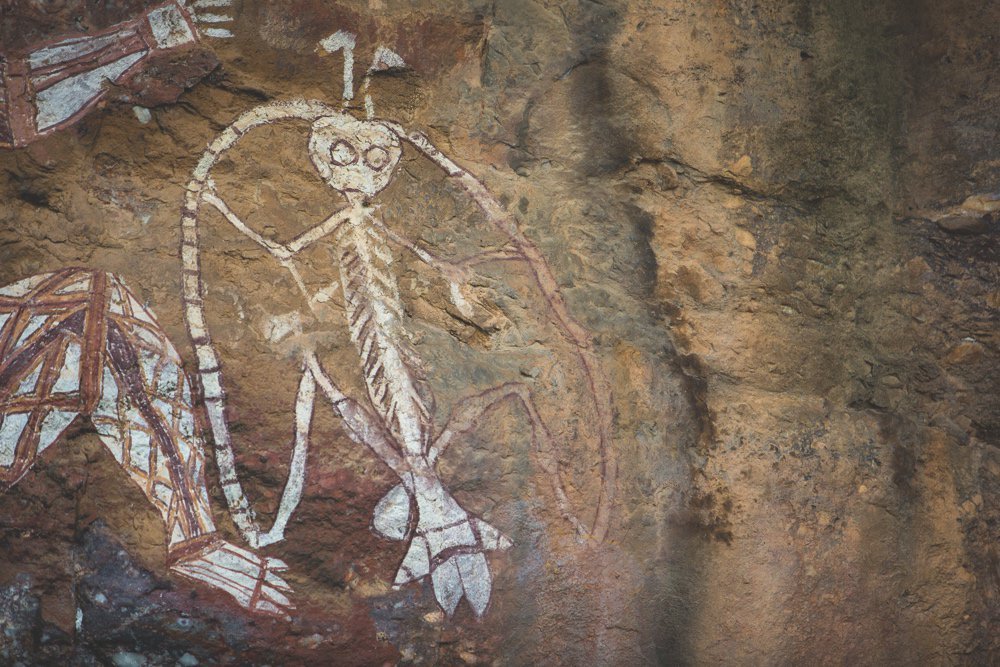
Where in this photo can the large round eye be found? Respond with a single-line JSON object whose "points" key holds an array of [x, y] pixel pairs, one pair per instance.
{"points": [[342, 153], [377, 158]]}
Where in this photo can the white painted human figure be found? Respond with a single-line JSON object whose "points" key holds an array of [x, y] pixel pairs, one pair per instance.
{"points": [[357, 158], [78, 343]]}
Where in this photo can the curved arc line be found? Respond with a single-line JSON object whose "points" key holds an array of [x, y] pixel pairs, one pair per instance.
{"points": [[575, 334], [209, 367], [208, 360]]}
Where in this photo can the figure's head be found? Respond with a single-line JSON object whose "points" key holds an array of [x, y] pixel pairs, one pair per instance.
{"points": [[355, 157]]}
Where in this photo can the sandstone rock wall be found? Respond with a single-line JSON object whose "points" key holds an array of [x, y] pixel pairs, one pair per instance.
{"points": [[775, 223]]}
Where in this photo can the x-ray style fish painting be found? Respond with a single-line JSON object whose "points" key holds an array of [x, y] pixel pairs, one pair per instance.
{"points": [[78, 344]]}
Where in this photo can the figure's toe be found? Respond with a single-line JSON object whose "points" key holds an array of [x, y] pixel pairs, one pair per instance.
{"points": [[416, 564], [249, 577], [447, 585], [276, 565], [491, 538], [273, 609], [476, 580]]}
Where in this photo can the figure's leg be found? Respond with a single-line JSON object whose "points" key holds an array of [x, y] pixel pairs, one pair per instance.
{"points": [[77, 342], [361, 425], [292, 494], [146, 419], [447, 542], [470, 411]]}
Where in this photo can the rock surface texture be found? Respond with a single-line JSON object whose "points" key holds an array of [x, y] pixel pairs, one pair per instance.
{"points": [[719, 385]]}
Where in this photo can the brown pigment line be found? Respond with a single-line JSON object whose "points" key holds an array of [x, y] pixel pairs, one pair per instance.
{"points": [[50, 373], [171, 519], [549, 461], [355, 317], [591, 369], [59, 362], [95, 332], [54, 281], [209, 573], [27, 403], [5, 129], [26, 449], [193, 547], [146, 31], [125, 362], [475, 533], [13, 367], [450, 552], [473, 422], [131, 318], [58, 40], [83, 111], [601, 396], [521, 394], [411, 576], [19, 108], [440, 529], [90, 61], [258, 589], [351, 261], [233, 570], [550, 291], [353, 412], [55, 303]]}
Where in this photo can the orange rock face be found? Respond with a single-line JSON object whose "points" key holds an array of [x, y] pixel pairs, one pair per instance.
{"points": [[515, 333]]}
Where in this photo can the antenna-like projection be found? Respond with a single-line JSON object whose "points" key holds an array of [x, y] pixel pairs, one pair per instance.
{"points": [[383, 61], [335, 42]]}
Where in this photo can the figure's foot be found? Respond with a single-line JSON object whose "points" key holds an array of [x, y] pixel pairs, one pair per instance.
{"points": [[455, 557], [247, 576], [448, 544]]}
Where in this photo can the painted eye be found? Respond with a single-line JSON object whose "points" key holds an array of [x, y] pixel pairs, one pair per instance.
{"points": [[377, 158], [342, 153]]}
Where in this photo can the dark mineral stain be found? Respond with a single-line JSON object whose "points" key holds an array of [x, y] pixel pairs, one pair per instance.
{"points": [[645, 269], [904, 467], [610, 147]]}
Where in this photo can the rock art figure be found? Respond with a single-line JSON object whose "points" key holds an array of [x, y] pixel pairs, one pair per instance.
{"points": [[77, 343], [357, 158], [54, 84]]}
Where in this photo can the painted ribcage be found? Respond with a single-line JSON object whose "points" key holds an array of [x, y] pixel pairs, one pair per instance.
{"points": [[393, 375]]}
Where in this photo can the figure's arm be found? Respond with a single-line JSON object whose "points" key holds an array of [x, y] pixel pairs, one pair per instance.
{"points": [[507, 224], [457, 273], [283, 253], [453, 270], [279, 251], [575, 334]]}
